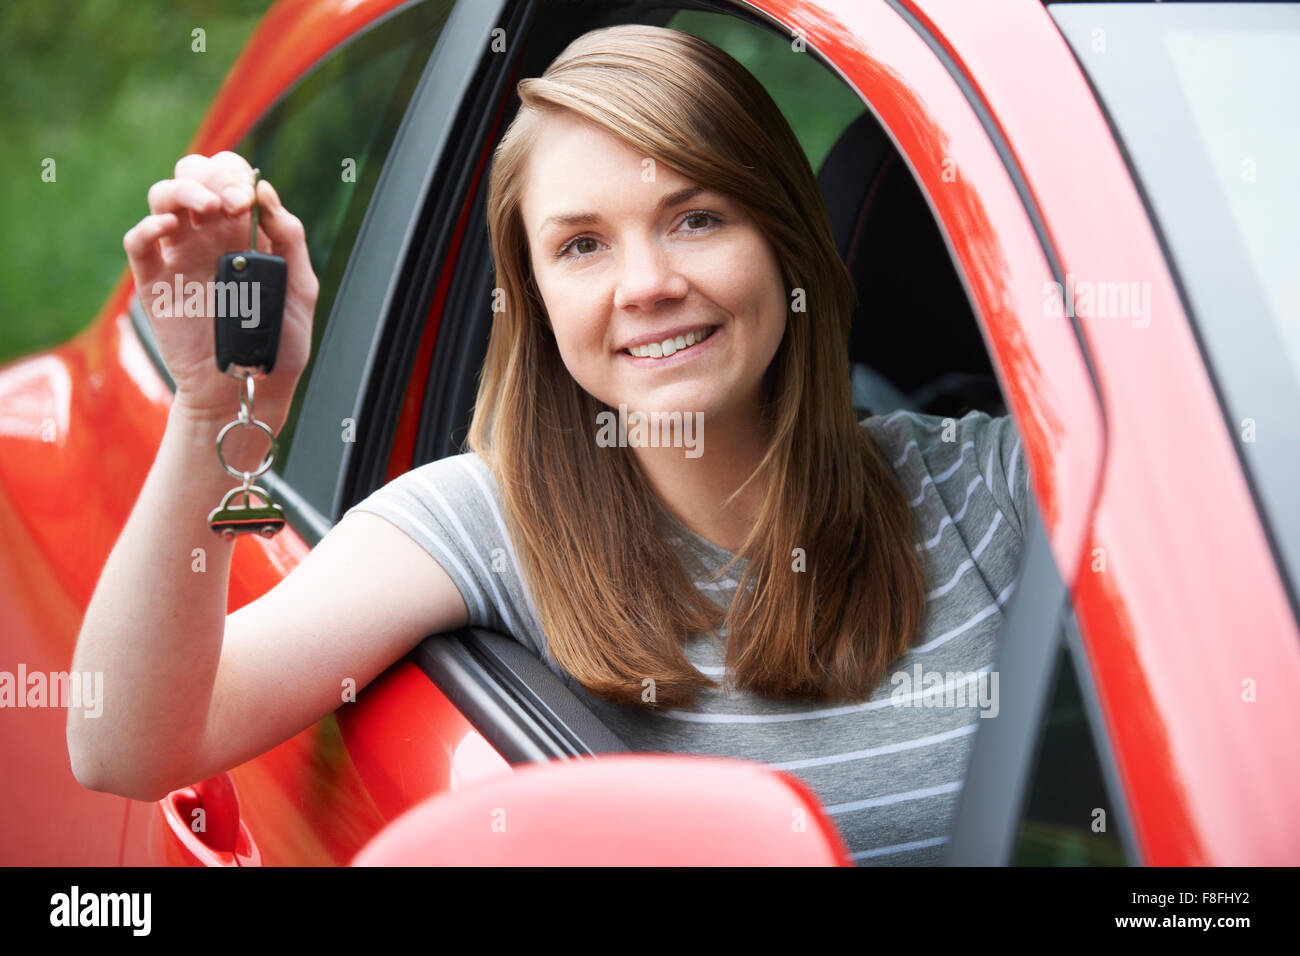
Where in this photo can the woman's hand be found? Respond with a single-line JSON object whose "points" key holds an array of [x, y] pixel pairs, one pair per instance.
{"points": [[194, 220]]}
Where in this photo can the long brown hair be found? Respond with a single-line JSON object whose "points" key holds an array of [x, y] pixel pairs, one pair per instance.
{"points": [[615, 606]]}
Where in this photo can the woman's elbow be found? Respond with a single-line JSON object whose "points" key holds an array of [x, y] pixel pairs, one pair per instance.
{"points": [[106, 774]]}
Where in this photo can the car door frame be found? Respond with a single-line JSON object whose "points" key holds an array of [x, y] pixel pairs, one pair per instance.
{"points": [[1065, 459], [1003, 758]]}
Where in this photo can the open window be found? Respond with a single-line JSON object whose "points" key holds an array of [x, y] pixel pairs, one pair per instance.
{"points": [[918, 351], [919, 341]]}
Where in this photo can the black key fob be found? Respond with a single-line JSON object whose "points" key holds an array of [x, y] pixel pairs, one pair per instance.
{"points": [[248, 308]]}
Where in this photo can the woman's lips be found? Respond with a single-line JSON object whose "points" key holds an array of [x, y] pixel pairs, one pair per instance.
{"points": [[680, 355]]}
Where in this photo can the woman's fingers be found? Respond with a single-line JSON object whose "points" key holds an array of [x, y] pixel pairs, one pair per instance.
{"points": [[206, 190], [177, 195], [141, 242], [226, 174], [232, 177]]}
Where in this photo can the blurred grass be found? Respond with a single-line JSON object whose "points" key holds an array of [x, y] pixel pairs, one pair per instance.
{"points": [[112, 93]]}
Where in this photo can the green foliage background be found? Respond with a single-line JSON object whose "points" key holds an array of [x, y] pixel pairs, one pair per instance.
{"points": [[112, 93]]}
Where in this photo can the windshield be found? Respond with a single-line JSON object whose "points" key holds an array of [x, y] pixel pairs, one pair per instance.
{"points": [[1205, 99]]}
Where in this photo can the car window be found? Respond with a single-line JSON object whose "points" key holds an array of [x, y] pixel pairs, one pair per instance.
{"points": [[1068, 818], [324, 143]]}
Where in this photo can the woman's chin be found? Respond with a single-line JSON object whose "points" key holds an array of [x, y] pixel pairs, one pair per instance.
{"points": [[669, 401]]}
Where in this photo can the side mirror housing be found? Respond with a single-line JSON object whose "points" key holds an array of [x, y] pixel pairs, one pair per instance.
{"points": [[621, 810]]}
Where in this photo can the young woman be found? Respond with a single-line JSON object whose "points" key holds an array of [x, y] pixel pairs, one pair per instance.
{"points": [[782, 585]]}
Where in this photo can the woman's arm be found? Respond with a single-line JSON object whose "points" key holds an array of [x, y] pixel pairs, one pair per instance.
{"points": [[189, 692]]}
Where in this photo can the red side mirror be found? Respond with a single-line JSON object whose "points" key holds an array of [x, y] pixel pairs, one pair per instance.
{"points": [[621, 810]]}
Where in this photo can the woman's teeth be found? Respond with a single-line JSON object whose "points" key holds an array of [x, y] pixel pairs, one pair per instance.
{"points": [[668, 346]]}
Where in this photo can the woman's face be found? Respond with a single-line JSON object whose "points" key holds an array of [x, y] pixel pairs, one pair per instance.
{"points": [[625, 259]]}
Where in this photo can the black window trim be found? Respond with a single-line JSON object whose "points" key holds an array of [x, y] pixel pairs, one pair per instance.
{"points": [[378, 269], [1002, 759], [514, 700], [452, 385], [1121, 816], [447, 193]]}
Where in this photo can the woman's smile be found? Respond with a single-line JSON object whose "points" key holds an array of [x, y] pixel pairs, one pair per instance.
{"points": [[672, 350]]}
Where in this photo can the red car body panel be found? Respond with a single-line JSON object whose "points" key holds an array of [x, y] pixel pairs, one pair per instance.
{"points": [[1131, 457]]}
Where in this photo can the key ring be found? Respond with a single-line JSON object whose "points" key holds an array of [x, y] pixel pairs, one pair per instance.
{"points": [[261, 469], [246, 419]]}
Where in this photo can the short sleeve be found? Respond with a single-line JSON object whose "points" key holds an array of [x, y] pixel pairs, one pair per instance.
{"points": [[450, 507], [1001, 458]]}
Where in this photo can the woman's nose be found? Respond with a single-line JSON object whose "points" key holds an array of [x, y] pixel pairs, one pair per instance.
{"points": [[647, 276]]}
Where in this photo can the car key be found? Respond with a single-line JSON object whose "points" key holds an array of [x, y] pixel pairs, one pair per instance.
{"points": [[249, 306]]}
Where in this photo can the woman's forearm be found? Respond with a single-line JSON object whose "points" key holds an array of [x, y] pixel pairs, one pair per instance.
{"points": [[154, 624]]}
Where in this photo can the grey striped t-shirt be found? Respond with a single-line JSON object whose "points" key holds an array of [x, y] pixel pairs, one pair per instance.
{"points": [[888, 770]]}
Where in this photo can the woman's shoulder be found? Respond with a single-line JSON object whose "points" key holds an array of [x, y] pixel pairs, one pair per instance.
{"points": [[904, 429], [949, 454], [452, 508], [457, 494], [455, 475]]}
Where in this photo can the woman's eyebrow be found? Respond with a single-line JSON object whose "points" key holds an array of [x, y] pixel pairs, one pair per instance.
{"points": [[590, 218]]}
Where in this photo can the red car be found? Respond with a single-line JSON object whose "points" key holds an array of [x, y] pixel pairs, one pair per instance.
{"points": [[1079, 214]]}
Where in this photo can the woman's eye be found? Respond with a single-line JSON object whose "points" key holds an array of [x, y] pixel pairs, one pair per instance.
{"points": [[699, 221], [708, 218], [573, 244]]}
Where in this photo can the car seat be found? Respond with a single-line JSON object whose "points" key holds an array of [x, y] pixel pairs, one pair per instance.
{"points": [[914, 341]]}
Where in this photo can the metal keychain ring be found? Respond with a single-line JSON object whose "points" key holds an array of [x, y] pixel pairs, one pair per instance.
{"points": [[266, 462]]}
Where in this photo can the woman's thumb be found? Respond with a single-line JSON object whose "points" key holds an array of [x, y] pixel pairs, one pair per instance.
{"points": [[285, 230]]}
